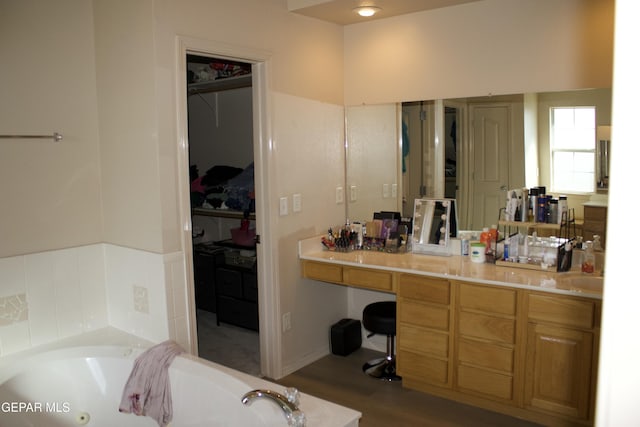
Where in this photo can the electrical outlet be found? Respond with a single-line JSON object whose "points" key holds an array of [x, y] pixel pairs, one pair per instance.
{"points": [[286, 322], [140, 299]]}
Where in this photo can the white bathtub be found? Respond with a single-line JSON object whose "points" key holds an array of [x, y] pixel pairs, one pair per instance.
{"points": [[82, 385]]}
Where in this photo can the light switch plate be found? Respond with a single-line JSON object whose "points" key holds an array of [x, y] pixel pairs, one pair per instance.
{"points": [[284, 206], [353, 193], [339, 195], [297, 202]]}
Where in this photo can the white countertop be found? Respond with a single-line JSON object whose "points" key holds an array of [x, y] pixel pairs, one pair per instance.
{"points": [[460, 268]]}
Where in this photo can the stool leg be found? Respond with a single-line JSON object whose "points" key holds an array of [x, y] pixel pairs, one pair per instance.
{"points": [[383, 368]]}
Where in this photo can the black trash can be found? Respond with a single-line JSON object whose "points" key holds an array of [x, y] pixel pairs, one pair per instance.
{"points": [[346, 337]]}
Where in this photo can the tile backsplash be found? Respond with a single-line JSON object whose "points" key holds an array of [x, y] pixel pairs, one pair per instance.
{"points": [[52, 295], [13, 309]]}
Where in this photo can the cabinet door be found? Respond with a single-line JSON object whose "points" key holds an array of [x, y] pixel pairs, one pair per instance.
{"points": [[558, 370]]}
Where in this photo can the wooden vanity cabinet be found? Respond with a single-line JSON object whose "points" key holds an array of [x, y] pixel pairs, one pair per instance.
{"points": [[595, 222], [367, 278], [423, 328], [486, 342], [561, 355], [524, 353]]}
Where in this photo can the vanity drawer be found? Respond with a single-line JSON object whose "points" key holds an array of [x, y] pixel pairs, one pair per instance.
{"points": [[565, 311], [485, 382], [324, 272], [422, 368], [429, 316], [368, 278], [486, 355], [489, 299], [424, 288], [423, 340], [487, 327]]}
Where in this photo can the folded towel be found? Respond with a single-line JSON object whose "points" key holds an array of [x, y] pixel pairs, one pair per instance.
{"points": [[148, 391]]}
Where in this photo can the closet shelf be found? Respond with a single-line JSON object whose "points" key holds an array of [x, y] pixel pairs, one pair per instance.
{"points": [[218, 85], [221, 213]]}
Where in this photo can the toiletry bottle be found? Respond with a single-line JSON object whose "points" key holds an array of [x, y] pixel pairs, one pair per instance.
{"points": [[533, 205], [506, 248], [524, 205], [493, 244], [563, 209], [589, 259], [553, 211], [464, 244], [493, 231], [542, 208], [514, 246], [485, 238], [597, 246]]}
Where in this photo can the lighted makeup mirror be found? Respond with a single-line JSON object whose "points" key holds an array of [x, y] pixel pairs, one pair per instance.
{"points": [[434, 223]]}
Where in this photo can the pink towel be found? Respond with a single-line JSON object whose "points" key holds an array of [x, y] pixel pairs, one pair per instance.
{"points": [[148, 391]]}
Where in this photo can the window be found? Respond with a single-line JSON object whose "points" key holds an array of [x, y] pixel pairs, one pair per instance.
{"points": [[573, 135]]}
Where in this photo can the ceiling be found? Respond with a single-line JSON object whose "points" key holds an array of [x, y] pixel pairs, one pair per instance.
{"points": [[341, 11]]}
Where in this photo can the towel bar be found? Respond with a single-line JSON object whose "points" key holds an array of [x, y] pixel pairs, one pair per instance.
{"points": [[56, 136]]}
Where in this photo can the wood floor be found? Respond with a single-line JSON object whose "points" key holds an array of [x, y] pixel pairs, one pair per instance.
{"points": [[341, 380]]}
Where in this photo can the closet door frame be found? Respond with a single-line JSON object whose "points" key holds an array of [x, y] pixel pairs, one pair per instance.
{"points": [[267, 252]]}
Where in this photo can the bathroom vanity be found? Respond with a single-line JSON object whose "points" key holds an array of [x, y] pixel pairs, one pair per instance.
{"points": [[520, 342]]}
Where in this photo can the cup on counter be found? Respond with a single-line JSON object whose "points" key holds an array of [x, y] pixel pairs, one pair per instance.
{"points": [[477, 252]]}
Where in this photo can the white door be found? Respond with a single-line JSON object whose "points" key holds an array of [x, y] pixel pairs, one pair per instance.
{"points": [[489, 181]]}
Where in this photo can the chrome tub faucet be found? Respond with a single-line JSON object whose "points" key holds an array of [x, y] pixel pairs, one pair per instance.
{"points": [[287, 402]]}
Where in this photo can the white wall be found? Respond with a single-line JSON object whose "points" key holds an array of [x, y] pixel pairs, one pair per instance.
{"points": [[309, 145], [221, 129], [50, 191], [130, 155], [619, 375], [480, 48]]}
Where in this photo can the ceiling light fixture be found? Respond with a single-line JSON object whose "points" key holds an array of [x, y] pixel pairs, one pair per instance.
{"points": [[367, 11]]}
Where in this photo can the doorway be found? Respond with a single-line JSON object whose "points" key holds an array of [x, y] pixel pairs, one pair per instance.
{"points": [[269, 338], [221, 173], [490, 162]]}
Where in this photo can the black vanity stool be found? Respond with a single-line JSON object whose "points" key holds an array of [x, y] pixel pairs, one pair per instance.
{"points": [[380, 318]]}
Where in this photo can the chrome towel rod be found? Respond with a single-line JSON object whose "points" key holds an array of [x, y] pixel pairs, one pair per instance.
{"points": [[56, 136]]}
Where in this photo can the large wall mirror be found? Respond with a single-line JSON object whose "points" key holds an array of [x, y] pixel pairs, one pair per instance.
{"points": [[469, 149]]}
